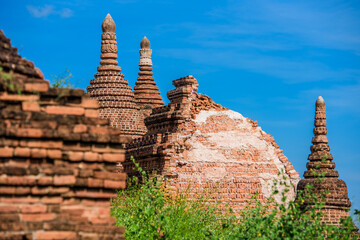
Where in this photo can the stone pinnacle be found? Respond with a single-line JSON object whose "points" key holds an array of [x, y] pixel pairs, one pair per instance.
{"points": [[108, 24], [145, 43], [320, 100], [321, 163], [116, 100], [146, 92]]}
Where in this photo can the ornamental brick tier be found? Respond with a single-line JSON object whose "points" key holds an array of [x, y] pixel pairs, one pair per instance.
{"points": [[146, 92], [320, 159], [202, 147], [113, 93], [57, 158]]}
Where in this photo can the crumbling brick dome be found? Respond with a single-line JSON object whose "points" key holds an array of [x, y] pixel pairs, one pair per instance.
{"points": [[202, 147]]}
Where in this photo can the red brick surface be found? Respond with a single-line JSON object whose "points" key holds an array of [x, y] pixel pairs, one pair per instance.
{"points": [[113, 93], [178, 147], [146, 92], [56, 157], [337, 202]]}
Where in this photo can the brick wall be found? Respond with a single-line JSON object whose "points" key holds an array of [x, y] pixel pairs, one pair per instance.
{"points": [[57, 158]]}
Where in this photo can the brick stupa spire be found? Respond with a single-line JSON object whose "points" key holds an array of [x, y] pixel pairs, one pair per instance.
{"points": [[337, 202], [146, 92], [115, 96]]}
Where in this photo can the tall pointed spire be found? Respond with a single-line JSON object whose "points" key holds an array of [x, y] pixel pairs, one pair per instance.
{"points": [[115, 96], [321, 162], [146, 92]]}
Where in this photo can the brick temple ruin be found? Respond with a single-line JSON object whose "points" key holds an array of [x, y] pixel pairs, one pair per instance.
{"points": [[63, 152]]}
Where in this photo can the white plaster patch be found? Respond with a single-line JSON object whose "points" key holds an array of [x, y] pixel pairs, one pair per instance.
{"points": [[203, 115], [234, 139], [217, 145]]}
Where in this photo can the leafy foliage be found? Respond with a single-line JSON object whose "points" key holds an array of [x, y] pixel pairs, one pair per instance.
{"points": [[148, 212], [10, 85], [62, 80]]}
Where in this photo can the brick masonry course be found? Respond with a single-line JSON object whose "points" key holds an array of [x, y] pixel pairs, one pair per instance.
{"points": [[57, 158]]}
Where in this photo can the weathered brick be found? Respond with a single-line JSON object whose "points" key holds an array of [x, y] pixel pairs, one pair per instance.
{"points": [[86, 173], [8, 209], [15, 170], [76, 156], [73, 210], [90, 194], [100, 221], [33, 209], [95, 182], [31, 106], [6, 152], [51, 200], [62, 110], [90, 156], [114, 184], [38, 153], [37, 217], [65, 191], [91, 113], [89, 103], [29, 132], [89, 236], [40, 190], [110, 175], [113, 157], [99, 130], [22, 152], [97, 203], [19, 199], [9, 217], [80, 128], [45, 180], [54, 154], [43, 144], [104, 212], [24, 180], [37, 87], [15, 97], [53, 235], [64, 180]]}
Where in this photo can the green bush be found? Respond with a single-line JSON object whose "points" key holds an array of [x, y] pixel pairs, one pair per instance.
{"points": [[148, 212]]}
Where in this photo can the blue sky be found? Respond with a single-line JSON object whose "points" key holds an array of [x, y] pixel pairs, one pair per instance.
{"points": [[268, 60]]}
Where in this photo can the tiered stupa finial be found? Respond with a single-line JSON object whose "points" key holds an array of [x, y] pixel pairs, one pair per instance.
{"points": [[115, 96], [337, 202], [146, 92]]}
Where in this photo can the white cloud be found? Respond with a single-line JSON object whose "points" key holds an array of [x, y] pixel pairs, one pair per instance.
{"points": [[47, 10]]}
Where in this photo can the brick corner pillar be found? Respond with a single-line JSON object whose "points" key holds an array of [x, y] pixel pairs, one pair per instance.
{"points": [[113, 93], [146, 92], [320, 159], [185, 90]]}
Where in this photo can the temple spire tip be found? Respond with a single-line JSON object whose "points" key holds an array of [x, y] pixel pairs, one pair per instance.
{"points": [[145, 43], [108, 24], [320, 100]]}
